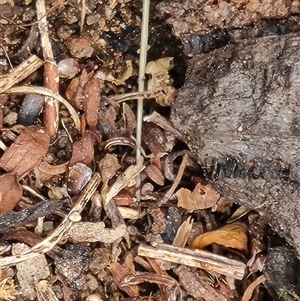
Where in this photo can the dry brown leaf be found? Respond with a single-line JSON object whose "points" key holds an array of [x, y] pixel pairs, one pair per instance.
{"points": [[47, 171], [26, 152], [78, 176], [231, 236], [75, 89], [202, 197], [10, 192], [155, 174], [119, 272], [83, 150], [91, 100]]}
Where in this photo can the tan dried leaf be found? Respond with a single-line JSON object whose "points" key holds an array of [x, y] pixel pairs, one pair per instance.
{"points": [[155, 174], [160, 79], [202, 197], [45, 292], [231, 236], [108, 167], [26, 152], [10, 192]]}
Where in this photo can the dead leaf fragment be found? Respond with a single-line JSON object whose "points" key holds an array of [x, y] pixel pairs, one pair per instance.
{"points": [[83, 150], [202, 197], [45, 292], [119, 273], [231, 236], [155, 174], [160, 79], [26, 152], [78, 176], [10, 192], [108, 167]]}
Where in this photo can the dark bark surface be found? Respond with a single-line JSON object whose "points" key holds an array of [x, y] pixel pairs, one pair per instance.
{"points": [[240, 109]]}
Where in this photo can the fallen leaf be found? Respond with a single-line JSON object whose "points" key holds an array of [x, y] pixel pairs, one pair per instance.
{"points": [[78, 176], [231, 236], [75, 88], [47, 171], [160, 80], [91, 100], [202, 197], [155, 174], [83, 150], [10, 192], [26, 152], [249, 291], [119, 273]]}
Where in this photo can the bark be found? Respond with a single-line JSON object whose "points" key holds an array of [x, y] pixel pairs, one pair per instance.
{"points": [[240, 108]]}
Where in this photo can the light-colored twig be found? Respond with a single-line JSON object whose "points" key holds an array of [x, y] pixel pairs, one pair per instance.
{"points": [[19, 73], [61, 231], [51, 75], [195, 258], [141, 80]]}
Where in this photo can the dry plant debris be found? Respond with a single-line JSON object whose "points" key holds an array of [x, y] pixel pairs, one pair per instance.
{"points": [[71, 225]]}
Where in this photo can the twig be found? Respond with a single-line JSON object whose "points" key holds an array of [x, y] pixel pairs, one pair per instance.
{"points": [[82, 15], [51, 75], [46, 92], [170, 192], [141, 80], [123, 179], [61, 231], [164, 124], [132, 95], [19, 73], [195, 258], [249, 291]]}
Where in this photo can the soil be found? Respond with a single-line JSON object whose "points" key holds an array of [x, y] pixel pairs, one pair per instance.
{"points": [[219, 142]]}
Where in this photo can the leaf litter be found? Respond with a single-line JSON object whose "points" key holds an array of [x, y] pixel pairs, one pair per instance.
{"points": [[79, 165]]}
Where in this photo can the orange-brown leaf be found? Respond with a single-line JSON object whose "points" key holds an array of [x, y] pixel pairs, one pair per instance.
{"points": [[10, 192], [26, 152], [231, 236]]}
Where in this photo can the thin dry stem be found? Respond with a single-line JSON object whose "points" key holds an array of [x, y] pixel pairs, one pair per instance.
{"points": [[195, 258], [51, 75], [141, 81], [19, 73], [61, 231], [170, 192]]}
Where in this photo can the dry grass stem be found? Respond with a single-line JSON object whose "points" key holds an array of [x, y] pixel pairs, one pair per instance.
{"points": [[170, 192], [195, 258], [61, 231], [19, 73]]}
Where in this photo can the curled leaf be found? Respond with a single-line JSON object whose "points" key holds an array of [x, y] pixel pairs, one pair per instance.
{"points": [[231, 236]]}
